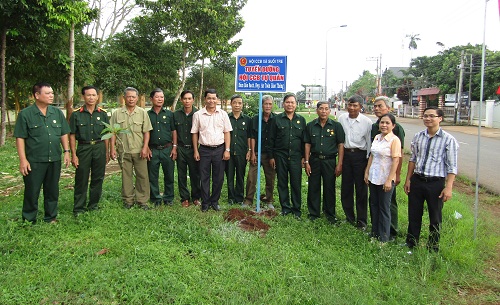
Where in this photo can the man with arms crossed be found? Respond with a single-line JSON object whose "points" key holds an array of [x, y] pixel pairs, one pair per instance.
{"points": [[431, 172], [211, 130], [40, 131], [92, 154]]}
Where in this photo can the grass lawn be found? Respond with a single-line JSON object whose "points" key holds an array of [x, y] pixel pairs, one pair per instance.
{"points": [[175, 255]]}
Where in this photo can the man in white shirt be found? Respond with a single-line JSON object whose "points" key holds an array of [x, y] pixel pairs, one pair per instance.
{"points": [[211, 130], [357, 128]]}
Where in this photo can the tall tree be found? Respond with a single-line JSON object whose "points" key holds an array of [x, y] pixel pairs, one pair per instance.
{"points": [[112, 16], [19, 18], [364, 86], [66, 14], [412, 44], [202, 28]]}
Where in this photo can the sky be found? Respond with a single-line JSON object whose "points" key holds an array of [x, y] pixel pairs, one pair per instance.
{"points": [[304, 30]]}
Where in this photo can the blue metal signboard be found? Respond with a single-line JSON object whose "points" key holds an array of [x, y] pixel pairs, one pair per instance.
{"points": [[260, 74]]}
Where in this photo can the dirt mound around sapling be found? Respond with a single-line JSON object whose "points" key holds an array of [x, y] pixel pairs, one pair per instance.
{"points": [[248, 221]]}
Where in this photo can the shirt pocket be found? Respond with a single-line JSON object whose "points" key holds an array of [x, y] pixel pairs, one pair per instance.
{"points": [[314, 139], [297, 130], [136, 126], [57, 128], [36, 130]]}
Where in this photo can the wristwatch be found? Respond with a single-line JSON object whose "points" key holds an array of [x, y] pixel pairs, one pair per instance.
{"points": [[227, 149]]}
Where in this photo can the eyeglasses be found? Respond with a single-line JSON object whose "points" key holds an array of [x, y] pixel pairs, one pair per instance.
{"points": [[430, 116]]}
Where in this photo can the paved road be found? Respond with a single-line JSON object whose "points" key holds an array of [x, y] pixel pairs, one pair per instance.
{"points": [[489, 162]]}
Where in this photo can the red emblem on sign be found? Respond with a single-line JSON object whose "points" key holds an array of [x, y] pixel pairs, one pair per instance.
{"points": [[243, 61]]}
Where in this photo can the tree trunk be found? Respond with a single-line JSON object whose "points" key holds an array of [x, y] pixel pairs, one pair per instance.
{"points": [[4, 89], [71, 76], [183, 79], [201, 82]]}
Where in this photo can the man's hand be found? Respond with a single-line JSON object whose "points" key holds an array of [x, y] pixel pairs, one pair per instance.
{"points": [[445, 194], [145, 153], [113, 154], [24, 167], [196, 155], [272, 162], [76, 162], [173, 153], [253, 159], [67, 159], [338, 170], [226, 156], [407, 187], [307, 167]]}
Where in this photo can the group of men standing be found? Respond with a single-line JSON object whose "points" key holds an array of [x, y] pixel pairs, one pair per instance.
{"points": [[208, 143]]}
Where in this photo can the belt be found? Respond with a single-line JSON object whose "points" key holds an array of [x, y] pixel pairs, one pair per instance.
{"points": [[89, 142], [427, 179], [212, 147], [352, 150], [160, 147], [323, 157], [186, 146]]}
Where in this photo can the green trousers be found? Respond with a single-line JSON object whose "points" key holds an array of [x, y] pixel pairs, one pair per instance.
{"points": [[46, 174], [161, 157], [321, 170], [185, 160], [235, 168], [92, 164], [289, 170]]}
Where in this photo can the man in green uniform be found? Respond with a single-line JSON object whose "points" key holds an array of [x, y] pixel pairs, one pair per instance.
{"points": [[324, 140], [287, 151], [92, 154], [381, 106], [40, 131], [269, 172], [185, 154], [133, 149], [236, 165], [162, 150]]}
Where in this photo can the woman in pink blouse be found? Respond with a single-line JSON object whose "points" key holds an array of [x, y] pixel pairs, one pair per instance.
{"points": [[380, 175]]}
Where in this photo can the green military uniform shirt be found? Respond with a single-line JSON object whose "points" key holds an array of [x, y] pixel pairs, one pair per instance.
{"points": [[287, 136], [87, 127], [163, 125], [239, 134], [265, 139], [183, 125], [398, 131], [324, 140], [42, 133]]}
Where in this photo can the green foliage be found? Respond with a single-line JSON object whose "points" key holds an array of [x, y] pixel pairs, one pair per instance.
{"points": [[441, 70], [364, 86], [138, 57]]}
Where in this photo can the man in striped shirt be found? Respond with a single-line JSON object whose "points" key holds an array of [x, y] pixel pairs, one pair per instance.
{"points": [[431, 172]]}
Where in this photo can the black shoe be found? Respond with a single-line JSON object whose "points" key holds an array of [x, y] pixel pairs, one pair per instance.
{"points": [[128, 206], [168, 203], [297, 217], [204, 207], [215, 207]]}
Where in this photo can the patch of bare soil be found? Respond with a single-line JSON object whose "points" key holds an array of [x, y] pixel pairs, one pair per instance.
{"points": [[248, 220]]}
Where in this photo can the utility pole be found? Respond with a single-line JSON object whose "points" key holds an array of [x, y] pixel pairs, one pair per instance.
{"points": [[378, 81], [458, 99]]}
